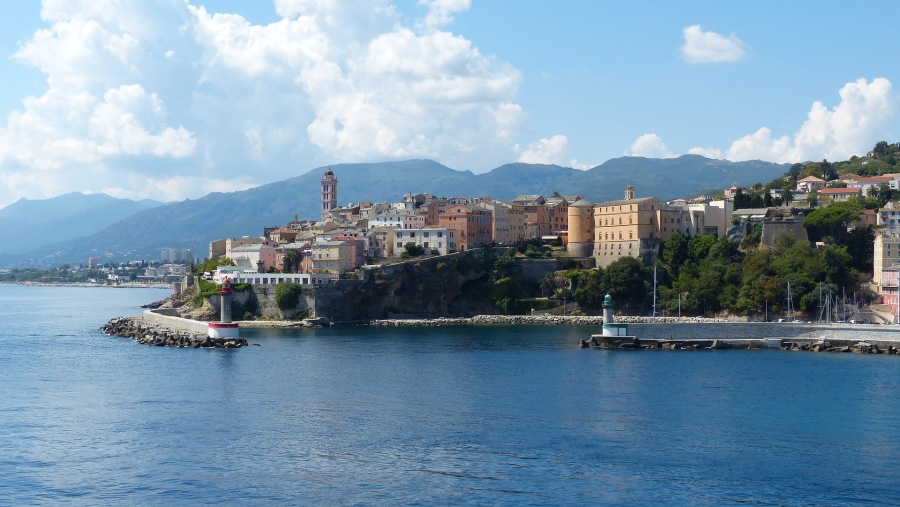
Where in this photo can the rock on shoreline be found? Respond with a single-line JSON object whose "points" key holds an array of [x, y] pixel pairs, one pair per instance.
{"points": [[150, 334]]}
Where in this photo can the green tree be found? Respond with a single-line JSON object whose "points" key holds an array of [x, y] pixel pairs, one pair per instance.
{"points": [[698, 246], [673, 253], [210, 265], [831, 221], [627, 281], [813, 198], [505, 288], [787, 196], [412, 250], [828, 171]]}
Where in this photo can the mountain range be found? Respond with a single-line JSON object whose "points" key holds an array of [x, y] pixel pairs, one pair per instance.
{"points": [[74, 227]]}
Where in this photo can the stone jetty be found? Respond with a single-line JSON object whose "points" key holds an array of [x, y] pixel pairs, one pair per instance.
{"points": [[890, 347], [150, 333]]}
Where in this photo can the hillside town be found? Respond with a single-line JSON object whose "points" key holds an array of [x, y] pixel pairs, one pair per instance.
{"points": [[347, 238]]}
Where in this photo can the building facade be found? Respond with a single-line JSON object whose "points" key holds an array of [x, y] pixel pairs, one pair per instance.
{"points": [[332, 257], [438, 240], [472, 226], [887, 253]]}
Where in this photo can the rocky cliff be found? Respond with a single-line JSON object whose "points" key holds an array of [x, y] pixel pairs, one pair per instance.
{"points": [[456, 285], [448, 286]]}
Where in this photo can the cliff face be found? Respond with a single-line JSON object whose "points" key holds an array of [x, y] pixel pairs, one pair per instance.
{"points": [[456, 285], [449, 286]]}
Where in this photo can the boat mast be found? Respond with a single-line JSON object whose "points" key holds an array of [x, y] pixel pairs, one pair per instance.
{"points": [[654, 293], [790, 304]]}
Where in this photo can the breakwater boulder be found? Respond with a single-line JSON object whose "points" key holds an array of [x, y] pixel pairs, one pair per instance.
{"points": [[160, 336]]}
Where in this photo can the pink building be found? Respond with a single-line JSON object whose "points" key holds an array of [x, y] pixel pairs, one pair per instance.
{"points": [[890, 276]]}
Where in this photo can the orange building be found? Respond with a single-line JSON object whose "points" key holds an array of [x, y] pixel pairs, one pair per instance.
{"points": [[473, 226]]}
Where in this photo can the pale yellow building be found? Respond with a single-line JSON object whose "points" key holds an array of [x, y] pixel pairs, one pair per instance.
{"points": [[516, 223], [635, 227], [501, 221], [332, 257], [581, 229], [887, 252]]}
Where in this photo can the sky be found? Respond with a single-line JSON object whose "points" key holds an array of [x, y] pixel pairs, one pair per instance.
{"points": [[173, 99]]}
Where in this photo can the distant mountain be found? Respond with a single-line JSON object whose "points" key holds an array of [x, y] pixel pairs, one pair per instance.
{"points": [[28, 225], [670, 178], [194, 223]]}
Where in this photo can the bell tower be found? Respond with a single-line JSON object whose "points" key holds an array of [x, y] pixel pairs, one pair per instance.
{"points": [[329, 193]]}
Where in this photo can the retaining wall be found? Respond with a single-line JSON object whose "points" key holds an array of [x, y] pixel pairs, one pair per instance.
{"points": [[175, 323]]}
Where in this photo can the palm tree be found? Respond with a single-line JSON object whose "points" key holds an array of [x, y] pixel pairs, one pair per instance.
{"points": [[787, 196], [291, 260]]}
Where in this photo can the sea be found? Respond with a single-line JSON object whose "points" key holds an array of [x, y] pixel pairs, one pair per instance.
{"points": [[452, 415]]}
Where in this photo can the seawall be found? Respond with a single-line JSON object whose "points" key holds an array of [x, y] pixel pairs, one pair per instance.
{"points": [[158, 329], [866, 339], [760, 330]]}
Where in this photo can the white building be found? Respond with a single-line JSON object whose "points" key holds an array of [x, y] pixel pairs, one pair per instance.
{"points": [[889, 218], [393, 219], [715, 217], [865, 185], [440, 240], [241, 275]]}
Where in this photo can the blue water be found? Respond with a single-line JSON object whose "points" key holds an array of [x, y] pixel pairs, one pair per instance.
{"points": [[437, 416]]}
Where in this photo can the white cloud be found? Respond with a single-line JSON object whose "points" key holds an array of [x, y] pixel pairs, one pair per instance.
{"points": [[553, 150], [710, 47], [196, 100], [440, 12], [649, 146], [850, 128], [546, 151], [706, 152]]}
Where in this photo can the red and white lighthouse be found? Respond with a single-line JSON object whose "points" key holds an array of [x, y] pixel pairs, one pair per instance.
{"points": [[224, 328]]}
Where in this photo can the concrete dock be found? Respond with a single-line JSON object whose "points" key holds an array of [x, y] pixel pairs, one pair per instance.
{"points": [[860, 338]]}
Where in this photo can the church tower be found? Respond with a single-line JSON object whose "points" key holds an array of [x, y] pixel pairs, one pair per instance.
{"points": [[329, 193]]}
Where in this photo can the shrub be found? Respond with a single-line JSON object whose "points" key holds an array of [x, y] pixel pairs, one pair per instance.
{"points": [[287, 295], [569, 264]]}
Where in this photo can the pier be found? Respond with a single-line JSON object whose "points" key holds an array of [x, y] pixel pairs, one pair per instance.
{"points": [[859, 338]]}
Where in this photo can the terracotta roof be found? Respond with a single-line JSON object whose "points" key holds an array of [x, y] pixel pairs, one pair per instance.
{"points": [[875, 179], [839, 191]]}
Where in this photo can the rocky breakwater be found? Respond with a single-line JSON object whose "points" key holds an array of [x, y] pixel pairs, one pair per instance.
{"points": [[495, 319], [856, 347], [160, 336]]}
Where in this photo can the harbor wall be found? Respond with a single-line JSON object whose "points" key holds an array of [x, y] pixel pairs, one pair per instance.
{"points": [[760, 330], [160, 318]]}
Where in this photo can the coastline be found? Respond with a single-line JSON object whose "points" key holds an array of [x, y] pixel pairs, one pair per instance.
{"points": [[127, 285], [687, 333]]}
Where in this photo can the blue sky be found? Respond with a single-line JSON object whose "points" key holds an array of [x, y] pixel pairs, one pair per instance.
{"points": [[170, 99]]}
